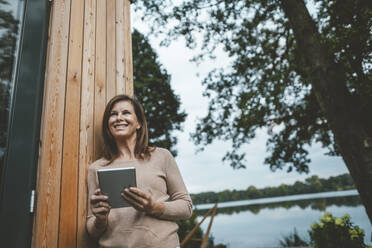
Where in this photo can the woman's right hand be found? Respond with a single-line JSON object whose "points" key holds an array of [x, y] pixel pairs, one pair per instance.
{"points": [[100, 209]]}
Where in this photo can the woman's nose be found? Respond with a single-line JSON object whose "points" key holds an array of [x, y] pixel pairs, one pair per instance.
{"points": [[120, 116]]}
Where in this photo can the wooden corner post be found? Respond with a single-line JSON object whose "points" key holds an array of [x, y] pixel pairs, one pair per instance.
{"points": [[89, 61]]}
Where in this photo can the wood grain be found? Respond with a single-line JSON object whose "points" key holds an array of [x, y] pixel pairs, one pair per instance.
{"points": [[100, 77], [86, 114], [120, 83], [70, 164], [128, 61], [49, 168], [111, 50], [88, 62]]}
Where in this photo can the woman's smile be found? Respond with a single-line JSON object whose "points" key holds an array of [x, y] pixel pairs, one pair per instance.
{"points": [[120, 126], [123, 121]]}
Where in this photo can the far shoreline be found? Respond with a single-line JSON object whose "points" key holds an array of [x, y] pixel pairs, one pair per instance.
{"points": [[266, 200]]}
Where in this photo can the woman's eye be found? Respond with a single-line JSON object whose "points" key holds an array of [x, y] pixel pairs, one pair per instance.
{"points": [[113, 113]]}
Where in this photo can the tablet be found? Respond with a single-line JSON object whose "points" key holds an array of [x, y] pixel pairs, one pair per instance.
{"points": [[112, 183]]}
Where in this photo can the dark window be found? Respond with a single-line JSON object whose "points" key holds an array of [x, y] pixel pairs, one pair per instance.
{"points": [[11, 14], [23, 42]]}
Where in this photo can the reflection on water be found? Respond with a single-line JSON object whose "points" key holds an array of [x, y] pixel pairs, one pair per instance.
{"points": [[263, 225], [315, 204]]}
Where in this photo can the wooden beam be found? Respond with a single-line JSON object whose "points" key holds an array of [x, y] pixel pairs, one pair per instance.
{"points": [[191, 233], [111, 50], [86, 151], [49, 168], [206, 236], [100, 77], [70, 164], [120, 83], [128, 60]]}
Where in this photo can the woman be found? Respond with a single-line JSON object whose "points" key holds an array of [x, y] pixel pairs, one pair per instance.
{"points": [[160, 196]]}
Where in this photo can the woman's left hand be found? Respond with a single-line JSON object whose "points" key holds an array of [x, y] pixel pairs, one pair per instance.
{"points": [[143, 201]]}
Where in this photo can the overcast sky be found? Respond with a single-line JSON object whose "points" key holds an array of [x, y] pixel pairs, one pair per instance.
{"points": [[205, 171]]}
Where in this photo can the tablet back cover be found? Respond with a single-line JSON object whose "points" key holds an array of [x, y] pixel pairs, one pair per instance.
{"points": [[112, 183]]}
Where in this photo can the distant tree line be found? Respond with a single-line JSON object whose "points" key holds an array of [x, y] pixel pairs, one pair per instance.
{"points": [[313, 184], [320, 204]]}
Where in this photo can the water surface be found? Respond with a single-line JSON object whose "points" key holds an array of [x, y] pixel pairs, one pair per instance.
{"points": [[263, 222]]}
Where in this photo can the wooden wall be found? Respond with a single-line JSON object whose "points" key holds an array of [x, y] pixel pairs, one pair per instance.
{"points": [[89, 61]]}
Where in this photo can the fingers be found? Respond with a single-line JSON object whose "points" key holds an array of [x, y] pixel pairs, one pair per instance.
{"points": [[97, 197], [100, 211], [138, 199], [145, 205], [99, 205], [133, 203], [138, 192]]}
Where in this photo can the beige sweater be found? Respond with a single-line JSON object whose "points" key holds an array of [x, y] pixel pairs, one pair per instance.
{"points": [[129, 228]]}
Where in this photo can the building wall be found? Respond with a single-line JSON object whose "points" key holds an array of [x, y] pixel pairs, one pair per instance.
{"points": [[89, 60]]}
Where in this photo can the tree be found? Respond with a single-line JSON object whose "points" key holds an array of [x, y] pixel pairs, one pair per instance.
{"points": [[152, 88], [307, 75]]}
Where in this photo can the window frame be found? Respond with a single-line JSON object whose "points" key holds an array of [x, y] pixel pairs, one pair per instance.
{"points": [[18, 179]]}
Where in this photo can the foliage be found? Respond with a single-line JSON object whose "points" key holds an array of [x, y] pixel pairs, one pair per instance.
{"points": [[152, 88], [266, 84], [185, 227], [293, 240], [312, 184], [336, 232]]}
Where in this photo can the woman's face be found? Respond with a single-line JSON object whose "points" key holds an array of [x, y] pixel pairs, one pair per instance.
{"points": [[123, 122]]}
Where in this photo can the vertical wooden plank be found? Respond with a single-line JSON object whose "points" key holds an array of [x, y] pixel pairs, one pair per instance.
{"points": [[120, 83], [111, 51], [43, 132], [49, 169], [70, 164], [128, 60], [86, 114], [100, 77]]}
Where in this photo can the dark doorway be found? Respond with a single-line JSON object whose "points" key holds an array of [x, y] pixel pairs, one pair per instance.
{"points": [[23, 39]]}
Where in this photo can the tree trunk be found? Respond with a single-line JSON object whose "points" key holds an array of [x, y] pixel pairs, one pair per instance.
{"points": [[328, 81]]}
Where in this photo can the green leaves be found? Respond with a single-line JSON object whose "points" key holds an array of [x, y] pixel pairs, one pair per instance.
{"points": [[337, 232], [268, 82], [152, 88]]}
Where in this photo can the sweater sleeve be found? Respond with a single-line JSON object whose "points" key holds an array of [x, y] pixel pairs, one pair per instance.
{"points": [[92, 186], [180, 204]]}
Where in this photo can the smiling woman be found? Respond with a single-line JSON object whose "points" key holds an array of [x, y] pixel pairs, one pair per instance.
{"points": [[123, 122], [160, 197]]}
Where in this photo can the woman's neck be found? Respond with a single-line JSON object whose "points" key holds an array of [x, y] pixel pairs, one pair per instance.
{"points": [[126, 148]]}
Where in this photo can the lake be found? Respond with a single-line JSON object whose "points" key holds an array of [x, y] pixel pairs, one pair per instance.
{"points": [[263, 222]]}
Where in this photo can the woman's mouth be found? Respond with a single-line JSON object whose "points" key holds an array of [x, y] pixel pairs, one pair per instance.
{"points": [[120, 126]]}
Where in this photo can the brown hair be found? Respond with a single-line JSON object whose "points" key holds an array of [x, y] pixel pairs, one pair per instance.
{"points": [[141, 149]]}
